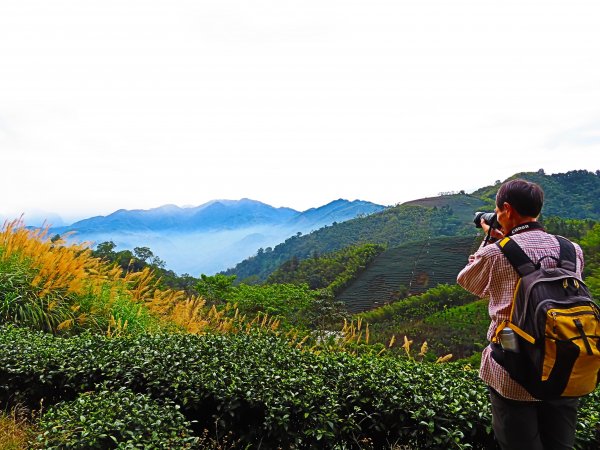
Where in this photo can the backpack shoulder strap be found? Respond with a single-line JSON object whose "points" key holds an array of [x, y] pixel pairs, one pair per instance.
{"points": [[568, 255], [517, 257]]}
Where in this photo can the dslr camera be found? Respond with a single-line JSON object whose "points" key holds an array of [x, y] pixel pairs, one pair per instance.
{"points": [[488, 217]]}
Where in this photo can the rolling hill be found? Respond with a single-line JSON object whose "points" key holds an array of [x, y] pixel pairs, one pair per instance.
{"points": [[414, 221], [574, 194], [413, 268]]}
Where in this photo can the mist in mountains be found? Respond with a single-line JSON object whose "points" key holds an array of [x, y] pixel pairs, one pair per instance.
{"points": [[213, 236]]}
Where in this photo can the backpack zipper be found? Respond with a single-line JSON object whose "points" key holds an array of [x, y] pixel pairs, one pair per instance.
{"points": [[579, 326], [581, 301], [555, 314]]}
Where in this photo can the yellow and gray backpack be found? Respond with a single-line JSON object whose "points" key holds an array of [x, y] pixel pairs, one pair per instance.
{"points": [[552, 340]]}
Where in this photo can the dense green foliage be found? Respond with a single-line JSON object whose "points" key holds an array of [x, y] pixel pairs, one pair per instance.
{"points": [[571, 195], [419, 307], [447, 317], [258, 388], [216, 288], [114, 418], [334, 270], [590, 245], [288, 301], [294, 305], [390, 227], [460, 330]]}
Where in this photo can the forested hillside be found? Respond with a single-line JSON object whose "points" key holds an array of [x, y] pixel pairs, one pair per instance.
{"points": [[391, 227], [571, 195], [334, 270]]}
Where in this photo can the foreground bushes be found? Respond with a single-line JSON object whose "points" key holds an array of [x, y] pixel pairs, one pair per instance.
{"points": [[109, 418], [257, 387]]}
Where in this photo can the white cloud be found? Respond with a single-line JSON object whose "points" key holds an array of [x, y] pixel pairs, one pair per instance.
{"points": [[133, 104]]}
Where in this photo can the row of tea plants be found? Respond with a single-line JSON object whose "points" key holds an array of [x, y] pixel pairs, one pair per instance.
{"points": [[165, 390]]}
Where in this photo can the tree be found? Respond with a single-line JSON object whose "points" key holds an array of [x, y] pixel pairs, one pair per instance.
{"points": [[287, 302], [143, 253], [157, 262], [215, 288], [105, 251], [326, 313]]}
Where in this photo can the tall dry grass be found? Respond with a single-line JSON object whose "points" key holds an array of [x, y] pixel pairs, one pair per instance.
{"points": [[15, 433], [58, 287]]}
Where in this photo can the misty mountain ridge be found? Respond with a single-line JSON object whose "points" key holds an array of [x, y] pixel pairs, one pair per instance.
{"points": [[212, 236], [216, 214]]}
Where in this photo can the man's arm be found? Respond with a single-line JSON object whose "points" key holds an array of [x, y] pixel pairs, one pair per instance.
{"points": [[475, 277]]}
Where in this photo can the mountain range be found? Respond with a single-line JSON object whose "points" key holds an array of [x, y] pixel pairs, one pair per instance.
{"points": [[251, 239], [213, 236]]}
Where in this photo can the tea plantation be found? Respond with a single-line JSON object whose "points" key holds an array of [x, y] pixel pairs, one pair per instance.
{"points": [[415, 266], [165, 390]]}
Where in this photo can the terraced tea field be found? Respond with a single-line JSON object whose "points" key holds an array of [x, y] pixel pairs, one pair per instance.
{"points": [[417, 266]]}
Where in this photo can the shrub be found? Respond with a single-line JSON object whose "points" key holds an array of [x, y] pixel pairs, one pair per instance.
{"points": [[263, 391], [109, 419]]}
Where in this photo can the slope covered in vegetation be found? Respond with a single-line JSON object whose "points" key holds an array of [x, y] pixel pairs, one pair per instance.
{"points": [[333, 271], [571, 195], [408, 269], [391, 227]]}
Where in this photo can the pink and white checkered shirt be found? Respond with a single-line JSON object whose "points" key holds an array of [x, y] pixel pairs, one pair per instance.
{"points": [[489, 274]]}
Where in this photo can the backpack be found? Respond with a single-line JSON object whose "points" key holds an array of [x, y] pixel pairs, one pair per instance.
{"points": [[556, 324]]}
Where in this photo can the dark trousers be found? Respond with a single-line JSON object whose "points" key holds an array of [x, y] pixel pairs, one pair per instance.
{"points": [[545, 425]]}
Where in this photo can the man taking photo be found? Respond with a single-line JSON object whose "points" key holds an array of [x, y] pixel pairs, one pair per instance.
{"points": [[519, 420]]}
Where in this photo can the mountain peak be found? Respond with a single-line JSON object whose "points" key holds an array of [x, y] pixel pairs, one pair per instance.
{"points": [[212, 236]]}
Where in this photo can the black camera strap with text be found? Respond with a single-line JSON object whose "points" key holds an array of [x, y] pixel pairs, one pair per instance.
{"points": [[529, 226]]}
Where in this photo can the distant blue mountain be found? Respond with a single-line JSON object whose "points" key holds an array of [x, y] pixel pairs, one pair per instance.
{"points": [[213, 236], [214, 215], [336, 211]]}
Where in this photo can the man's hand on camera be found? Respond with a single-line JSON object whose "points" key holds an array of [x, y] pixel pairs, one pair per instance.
{"points": [[494, 232]]}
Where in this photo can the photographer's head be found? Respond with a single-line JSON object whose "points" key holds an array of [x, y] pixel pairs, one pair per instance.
{"points": [[518, 201]]}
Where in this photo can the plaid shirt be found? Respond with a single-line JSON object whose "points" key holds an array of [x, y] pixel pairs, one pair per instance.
{"points": [[489, 274]]}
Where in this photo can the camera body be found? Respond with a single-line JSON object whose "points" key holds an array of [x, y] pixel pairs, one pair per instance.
{"points": [[488, 217]]}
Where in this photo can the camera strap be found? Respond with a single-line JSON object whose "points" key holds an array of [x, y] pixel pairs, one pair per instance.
{"points": [[529, 226]]}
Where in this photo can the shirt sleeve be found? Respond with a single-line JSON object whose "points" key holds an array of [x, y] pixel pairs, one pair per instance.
{"points": [[580, 259], [476, 275]]}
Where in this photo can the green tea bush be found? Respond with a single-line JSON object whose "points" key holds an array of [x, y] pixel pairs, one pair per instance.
{"points": [[264, 392], [114, 419], [420, 306]]}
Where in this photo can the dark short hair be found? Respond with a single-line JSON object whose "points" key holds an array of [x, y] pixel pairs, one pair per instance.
{"points": [[525, 197]]}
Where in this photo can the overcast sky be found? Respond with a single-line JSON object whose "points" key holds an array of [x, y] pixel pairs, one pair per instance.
{"points": [[115, 104]]}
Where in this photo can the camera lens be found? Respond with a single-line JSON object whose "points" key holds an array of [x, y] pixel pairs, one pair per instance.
{"points": [[488, 217]]}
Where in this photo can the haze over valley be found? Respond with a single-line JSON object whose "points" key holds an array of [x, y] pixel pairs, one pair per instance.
{"points": [[211, 237]]}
